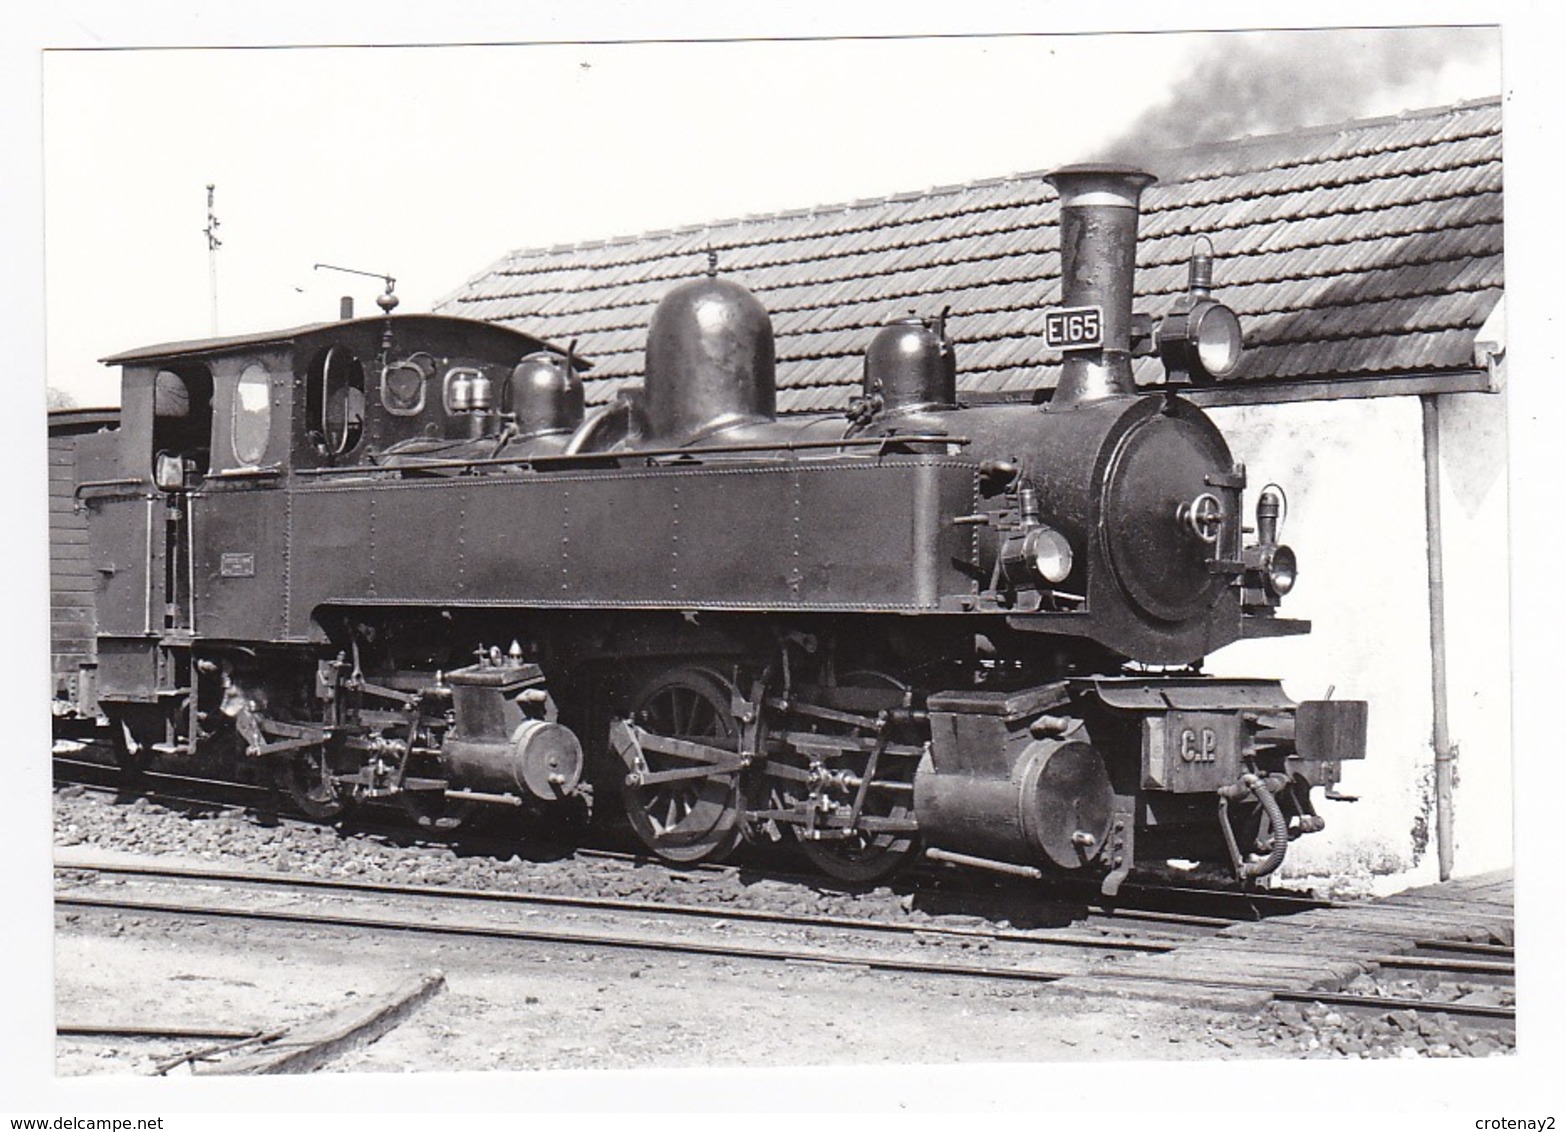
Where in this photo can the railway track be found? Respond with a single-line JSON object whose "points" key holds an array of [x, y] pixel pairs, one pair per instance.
{"points": [[1375, 1005], [597, 923], [1150, 921], [1085, 939], [1090, 945], [1174, 908], [151, 889], [102, 774], [934, 922]]}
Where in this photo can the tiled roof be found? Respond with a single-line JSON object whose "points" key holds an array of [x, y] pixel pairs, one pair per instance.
{"points": [[1366, 249]]}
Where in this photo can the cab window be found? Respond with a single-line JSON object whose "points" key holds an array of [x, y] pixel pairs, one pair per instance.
{"points": [[182, 416], [335, 401], [252, 415], [403, 384]]}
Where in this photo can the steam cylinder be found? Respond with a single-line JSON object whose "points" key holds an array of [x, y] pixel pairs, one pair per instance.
{"points": [[1055, 807], [542, 760], [1099, 206], [710, 362]]}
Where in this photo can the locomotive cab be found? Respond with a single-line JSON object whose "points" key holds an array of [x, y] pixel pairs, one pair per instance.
{"points": [[331, 394], [191, 537]]}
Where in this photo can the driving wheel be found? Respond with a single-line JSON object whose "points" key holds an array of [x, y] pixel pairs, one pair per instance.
{"points": [[696, 818], [305, 775], [867, 855]]}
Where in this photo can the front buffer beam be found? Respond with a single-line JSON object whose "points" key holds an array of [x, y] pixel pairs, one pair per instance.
{"points": [[1065, 776]]}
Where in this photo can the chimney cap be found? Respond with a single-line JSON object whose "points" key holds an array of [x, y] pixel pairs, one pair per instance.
{"points": [[1099, 183]]}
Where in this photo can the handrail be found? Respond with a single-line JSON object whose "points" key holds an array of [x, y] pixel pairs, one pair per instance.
{"points": [[270, 470], [128, 481], [649, 454]]}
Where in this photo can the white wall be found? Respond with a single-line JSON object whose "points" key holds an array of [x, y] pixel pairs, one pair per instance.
{"points": [[1354, 474], [1474, 518]]}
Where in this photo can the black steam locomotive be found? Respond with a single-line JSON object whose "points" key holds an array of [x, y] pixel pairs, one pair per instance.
{"points": [[385, 558]]}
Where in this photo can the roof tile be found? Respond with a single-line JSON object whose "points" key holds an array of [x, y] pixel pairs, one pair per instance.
{"points": [[1364, 249]]}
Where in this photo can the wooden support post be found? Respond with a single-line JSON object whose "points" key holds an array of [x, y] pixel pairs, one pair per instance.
{"points": [[1445, 754]]}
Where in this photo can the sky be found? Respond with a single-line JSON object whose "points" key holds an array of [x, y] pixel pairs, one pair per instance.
{"points": [[428, 163]]}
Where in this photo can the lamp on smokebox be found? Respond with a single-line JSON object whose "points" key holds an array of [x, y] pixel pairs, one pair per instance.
{"points": [[1200, 339]]}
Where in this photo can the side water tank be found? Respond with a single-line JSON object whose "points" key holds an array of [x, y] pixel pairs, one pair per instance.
{"points": [[710, 362]]}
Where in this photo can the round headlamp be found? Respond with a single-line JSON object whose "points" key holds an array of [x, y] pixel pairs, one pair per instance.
{"points": [[1216, 332], [1282, 570], [1050, 554], [1204, 342]]}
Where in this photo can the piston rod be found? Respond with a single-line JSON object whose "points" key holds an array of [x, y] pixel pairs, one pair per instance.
{"points": [[1006, 867]]}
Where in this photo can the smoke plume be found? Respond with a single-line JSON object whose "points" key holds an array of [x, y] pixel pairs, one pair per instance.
{"points": [[1262, 83]]}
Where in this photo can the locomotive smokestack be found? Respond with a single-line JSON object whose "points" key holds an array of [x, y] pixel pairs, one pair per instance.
{"points": [[1098, 216]]}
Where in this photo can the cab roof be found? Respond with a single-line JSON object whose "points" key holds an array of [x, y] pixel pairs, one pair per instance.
{"points": [[198, 347]]}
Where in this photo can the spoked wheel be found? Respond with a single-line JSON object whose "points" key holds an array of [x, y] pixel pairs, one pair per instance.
{"points": [[866, 855], [688, 819], [306, 777]]}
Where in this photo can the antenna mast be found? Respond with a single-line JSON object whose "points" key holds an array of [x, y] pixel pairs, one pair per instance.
{"points": [[213, 244]]}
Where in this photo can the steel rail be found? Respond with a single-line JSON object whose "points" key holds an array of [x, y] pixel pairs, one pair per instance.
{"points": [[129, 1030], [1056, 891], [616, 904], [577, 939], [1097, 912], [1377, 1004], [160, 783], [1485, 968], [230, 795], [1461, 966], [1456, 947], [152, 778], [822, 881], [1260, 905]]}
